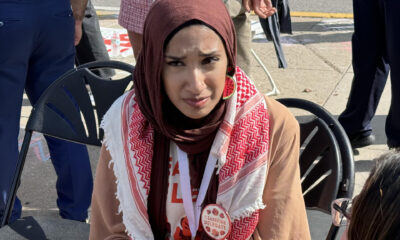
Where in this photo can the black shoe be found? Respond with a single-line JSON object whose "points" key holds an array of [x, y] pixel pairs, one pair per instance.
{"points": [[359, 141], [395, 149]]}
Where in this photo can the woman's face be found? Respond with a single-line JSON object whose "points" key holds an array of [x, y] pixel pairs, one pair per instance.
{"points": [[194, 70]]}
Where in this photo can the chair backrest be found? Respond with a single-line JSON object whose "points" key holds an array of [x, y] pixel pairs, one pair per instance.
{"points": [[71, 108], [326, 158], [320, 164], [74, 105]]}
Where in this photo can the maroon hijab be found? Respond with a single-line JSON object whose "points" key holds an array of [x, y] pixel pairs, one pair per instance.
{"points": [[195, 137]]}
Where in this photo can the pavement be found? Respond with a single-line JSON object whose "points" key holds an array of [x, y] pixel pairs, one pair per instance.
{"points": [[319, 69]]}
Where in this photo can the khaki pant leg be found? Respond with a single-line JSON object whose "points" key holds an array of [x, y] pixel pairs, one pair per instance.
{"points": [[241, 21]]}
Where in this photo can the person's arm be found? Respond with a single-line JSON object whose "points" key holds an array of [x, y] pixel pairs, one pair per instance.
{"points": [[263, 8], [78, 9], [105, 222], [345, 233], [285, 215]]}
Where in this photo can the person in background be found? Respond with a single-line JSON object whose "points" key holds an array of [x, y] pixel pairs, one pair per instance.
{"points": [[375, 212], [196, 131], [91, 47], [376, 50], [239, 12], [132, 15], [37, 45]]}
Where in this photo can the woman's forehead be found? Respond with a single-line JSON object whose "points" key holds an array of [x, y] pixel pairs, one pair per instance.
{"points": [[194, 38], [167, 15]]}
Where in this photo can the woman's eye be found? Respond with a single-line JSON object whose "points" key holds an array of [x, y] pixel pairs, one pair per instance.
{"points": [[175, 63], [209, 60]]}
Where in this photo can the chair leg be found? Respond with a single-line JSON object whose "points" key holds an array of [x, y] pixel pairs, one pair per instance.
{"points": [[12, 193], [275, 90]]}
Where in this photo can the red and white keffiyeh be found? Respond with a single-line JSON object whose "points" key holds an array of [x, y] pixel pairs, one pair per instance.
{"points": [[241, 147]]}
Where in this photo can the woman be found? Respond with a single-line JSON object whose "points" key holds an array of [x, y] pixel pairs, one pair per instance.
{"points": [[376, 210], [187, 136]]}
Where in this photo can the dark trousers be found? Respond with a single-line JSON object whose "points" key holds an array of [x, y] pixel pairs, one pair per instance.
{"points": [[376, 49], [91, 47], [36, 47]]}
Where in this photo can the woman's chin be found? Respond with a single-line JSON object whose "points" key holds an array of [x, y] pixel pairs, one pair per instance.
{"points": [[196, 114]]}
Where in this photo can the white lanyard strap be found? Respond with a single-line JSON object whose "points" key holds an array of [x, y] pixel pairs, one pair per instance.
{"points": [[193, 214]]}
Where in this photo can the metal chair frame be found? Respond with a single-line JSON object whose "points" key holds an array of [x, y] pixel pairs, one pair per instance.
{"points": [[340, 151], [275, 90]]}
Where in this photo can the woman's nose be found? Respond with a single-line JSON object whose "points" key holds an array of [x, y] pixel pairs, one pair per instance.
{"points": [[196, 81]]}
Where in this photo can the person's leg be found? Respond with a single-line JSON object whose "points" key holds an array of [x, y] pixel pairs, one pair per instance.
{"points": [[15, 47], [370, 71], [243, 33], [132, 15], [53, 57], [91, 47], [75, 182], [136, 42], [392, 21]]}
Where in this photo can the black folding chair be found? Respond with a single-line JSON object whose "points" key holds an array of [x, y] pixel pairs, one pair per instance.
{"points": [[71, 108], [326, 163]]}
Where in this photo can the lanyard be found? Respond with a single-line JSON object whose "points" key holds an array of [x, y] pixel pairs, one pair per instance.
{"points": [[193, 213]]}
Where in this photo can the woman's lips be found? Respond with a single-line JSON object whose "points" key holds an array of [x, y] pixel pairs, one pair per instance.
{"points": [[196, 102]]}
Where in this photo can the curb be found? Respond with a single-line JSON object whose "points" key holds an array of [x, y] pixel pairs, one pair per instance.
{"points": [[106, 11], [105, 8], [321, 15]]}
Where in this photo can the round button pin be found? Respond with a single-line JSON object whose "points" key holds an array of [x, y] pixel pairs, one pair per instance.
{"points": [[216, 221]]}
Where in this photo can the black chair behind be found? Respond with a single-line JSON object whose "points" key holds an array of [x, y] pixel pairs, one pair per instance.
{"points": [[326, 159], [71, 108]]}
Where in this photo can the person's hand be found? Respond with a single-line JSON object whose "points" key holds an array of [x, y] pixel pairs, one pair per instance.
{"points": [[263, 8], [78, 32]]}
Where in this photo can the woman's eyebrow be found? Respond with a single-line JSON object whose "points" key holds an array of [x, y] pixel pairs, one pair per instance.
{"points": [[208, 54], [175, 57]]}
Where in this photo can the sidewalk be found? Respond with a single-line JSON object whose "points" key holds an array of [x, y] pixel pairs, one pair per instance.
{"points": [[319, 69]]}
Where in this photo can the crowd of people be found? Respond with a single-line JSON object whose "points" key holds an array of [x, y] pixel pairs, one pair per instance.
{"points": [[194, 151]]}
